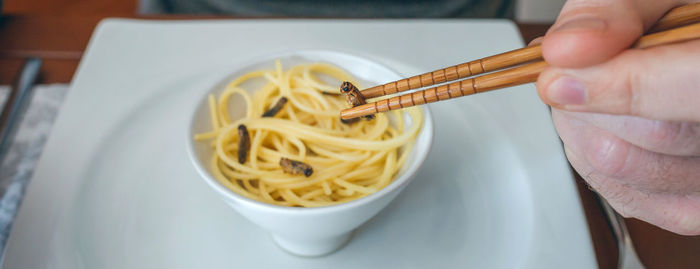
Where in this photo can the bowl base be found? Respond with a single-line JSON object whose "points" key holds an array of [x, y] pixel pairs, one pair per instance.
{"points": [[312, 247]]}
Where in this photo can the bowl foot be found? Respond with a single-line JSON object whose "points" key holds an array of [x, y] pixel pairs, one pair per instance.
{"points": [[312, 247]]}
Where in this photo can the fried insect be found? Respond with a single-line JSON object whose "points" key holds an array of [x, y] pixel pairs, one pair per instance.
{"points": [[352, 94], [354, 97], [296, 167], [349, 121], [243, 143], [276, 108]]}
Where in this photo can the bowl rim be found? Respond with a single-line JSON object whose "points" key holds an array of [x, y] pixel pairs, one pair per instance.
{"points": [[427, 130]]}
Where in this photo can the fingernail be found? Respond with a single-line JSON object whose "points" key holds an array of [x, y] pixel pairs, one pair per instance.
{"points": [[567, 91], [587, 22]]}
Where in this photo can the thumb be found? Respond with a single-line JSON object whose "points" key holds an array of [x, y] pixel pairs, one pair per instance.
{"points": [[660, 83], [589, 32]]}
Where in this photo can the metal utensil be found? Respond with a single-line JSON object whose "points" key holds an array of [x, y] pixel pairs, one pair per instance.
{"points": [[627, 257], [16, 103]]}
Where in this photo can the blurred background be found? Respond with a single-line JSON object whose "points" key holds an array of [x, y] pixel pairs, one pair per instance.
{"points": [[520, 10]]}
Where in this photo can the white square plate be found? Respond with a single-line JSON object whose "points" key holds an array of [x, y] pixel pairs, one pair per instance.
{"points": [[114, 187]]}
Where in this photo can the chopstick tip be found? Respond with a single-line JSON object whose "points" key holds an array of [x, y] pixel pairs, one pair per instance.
{"points": [[358, 111]]}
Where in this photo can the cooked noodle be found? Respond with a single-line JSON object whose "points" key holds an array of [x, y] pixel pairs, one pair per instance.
{"points": [[349, 161]]}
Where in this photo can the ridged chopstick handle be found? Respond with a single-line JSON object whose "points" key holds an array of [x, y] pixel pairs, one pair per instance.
{"points": [[510, 77], [676, 17], [454, 72], [502, 79]]}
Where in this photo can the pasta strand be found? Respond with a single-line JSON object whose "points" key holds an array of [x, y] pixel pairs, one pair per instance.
{"points": [[349, 161]]}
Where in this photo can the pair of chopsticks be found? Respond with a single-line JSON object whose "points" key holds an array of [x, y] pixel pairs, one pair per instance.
{"points": [[678, 25]]}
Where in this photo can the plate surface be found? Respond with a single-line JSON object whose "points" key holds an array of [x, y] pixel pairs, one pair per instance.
{"points": [[114, 187]]}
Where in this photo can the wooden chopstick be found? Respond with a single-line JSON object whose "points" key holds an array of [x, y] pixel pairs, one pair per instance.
{"points": [[679, 16], [676, 17], [515, 76], [455, 72]]}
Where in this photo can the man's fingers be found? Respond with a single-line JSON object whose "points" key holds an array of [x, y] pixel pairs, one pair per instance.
{"points": [[678, 213], [665, 137], [659, 83], [589, 32], [592, 70], [612, 157]]}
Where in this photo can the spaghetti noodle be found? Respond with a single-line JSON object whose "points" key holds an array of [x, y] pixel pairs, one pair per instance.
{"points": [[349, 161]]}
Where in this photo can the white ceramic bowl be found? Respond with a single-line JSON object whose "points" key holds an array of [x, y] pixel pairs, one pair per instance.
{"points": [[309, 231]]}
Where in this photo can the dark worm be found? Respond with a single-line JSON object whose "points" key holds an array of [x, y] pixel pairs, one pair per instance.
{"points": [[243, 143], [276, 108]]}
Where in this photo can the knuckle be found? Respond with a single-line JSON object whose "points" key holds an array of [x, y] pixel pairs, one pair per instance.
{"points": [[629, 89], [608, 155]]}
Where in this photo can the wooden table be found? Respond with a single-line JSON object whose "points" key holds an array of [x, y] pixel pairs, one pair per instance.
{"points": [[61, 40]]}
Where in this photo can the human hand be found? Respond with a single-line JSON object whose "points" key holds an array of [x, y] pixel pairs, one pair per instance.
{"points": [[629, 119]]}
